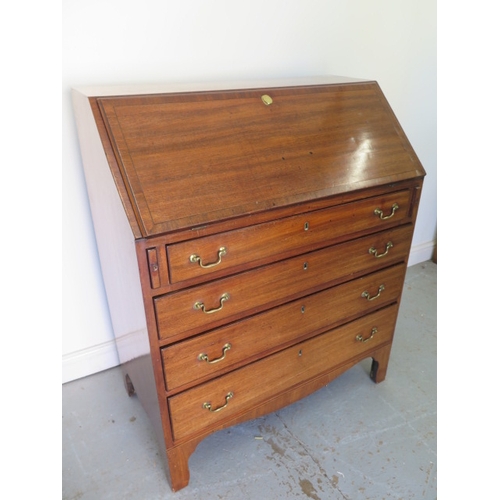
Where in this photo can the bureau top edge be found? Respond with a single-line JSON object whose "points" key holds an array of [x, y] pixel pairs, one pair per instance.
{"points": [[208, 86]]}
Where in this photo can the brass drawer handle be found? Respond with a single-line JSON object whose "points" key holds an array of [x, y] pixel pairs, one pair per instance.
{"points": [[201, 305], [380, 212], [367, 296], [208, 406], [360, 338], [374, 251], [197, 259], [204, 357]]}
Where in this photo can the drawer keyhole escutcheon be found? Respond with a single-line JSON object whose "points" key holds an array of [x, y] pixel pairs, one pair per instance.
{"points": [[360, 338], [300, 353], [375, 253], [306, 226], [267, 99], [201, 305], [204, 357], [208, 406], [367, 295], [303, 309], [305, 266], [380, 212], [197, 259]]}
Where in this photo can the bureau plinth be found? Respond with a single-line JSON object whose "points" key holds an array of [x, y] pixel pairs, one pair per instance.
{"points": [[251, 229]]}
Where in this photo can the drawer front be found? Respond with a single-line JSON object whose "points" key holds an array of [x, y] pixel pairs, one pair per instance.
{"points": [[209, 404], [210, 354], [203, 256], [210, 305]]}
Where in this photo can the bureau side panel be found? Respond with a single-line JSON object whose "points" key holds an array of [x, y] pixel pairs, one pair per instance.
{"points": [[119, 266], [115, 240]]}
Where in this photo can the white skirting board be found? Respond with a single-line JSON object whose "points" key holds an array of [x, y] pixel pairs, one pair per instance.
{"points": [[90, 360], [421, 253], [101, 357]]}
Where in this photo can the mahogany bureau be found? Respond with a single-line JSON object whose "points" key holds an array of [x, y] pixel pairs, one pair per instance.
{"points": [[253, 240]]}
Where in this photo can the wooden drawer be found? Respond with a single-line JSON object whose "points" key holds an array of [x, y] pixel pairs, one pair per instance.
{"points": [[263, 241], [245, 340], [180, 314], [244, 388]]}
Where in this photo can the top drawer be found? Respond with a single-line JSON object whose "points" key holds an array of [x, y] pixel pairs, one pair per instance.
{"points": [[200, 257]]}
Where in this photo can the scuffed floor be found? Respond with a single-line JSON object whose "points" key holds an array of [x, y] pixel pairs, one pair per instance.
{"points": [[352, 439]]}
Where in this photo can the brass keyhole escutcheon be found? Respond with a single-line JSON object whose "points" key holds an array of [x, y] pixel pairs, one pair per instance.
{"points": [[267, 100]]}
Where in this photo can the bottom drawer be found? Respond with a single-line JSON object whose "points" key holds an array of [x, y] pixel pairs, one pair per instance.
{"points": [[208, 404]]}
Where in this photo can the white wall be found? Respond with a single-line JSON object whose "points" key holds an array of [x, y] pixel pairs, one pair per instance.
{"points": [[123, 41]]}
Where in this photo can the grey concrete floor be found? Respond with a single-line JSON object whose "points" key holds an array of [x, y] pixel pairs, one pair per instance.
{"points": [[353, 439]]}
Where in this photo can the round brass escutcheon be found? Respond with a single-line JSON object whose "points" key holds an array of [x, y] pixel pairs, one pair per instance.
{"points": [[266, 99]]}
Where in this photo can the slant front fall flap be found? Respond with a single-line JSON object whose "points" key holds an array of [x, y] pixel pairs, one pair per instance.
{"points": [[309, 143]]}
